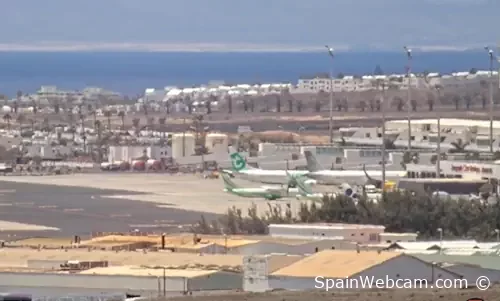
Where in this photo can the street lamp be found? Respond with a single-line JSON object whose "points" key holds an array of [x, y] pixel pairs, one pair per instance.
{"points": [[440, 230], [382, 102], [408, 100], [330, 125], [491, 56], [497, 232]]}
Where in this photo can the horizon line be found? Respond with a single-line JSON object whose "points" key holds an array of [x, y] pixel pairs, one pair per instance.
{"points": [[205, 47]]}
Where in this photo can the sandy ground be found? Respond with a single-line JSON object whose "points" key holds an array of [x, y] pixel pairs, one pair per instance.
{"points": [[492, 294], [188, 192]]}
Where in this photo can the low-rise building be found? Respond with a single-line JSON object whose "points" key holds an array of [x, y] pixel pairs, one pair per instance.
{"points": [[344, 269]]}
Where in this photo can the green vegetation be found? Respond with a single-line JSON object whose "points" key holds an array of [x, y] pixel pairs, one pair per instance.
{"points": [[399, 212]]}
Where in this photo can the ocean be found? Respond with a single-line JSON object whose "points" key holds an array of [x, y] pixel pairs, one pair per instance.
{"points": [[132, 72]]}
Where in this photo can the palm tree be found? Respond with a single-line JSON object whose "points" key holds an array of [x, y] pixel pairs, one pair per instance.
{"points": [[430, 103], [414, 105], [229, 101], [208, 105], [34, 106], [189, 102], [299, 105], [32, 123], [98, 127], [7, 118], [150, 123], [136, 122], [108, 115], [362, 106], [252, 104], [278, 103], [456, 100], [46, 124], [371, 104], [20, 120], [245, 105], [121, 114], [459, 146], [161, 122], [399, 103]]}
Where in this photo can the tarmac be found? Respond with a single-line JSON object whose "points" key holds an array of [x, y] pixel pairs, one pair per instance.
{"points": [[84, 203]]}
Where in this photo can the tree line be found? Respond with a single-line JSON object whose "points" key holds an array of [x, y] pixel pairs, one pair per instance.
{"points": [[398, 211]]}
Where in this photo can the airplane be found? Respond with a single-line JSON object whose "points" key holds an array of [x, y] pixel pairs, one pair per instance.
{"points": [[341, 177], [242, 170], [269, 193], [306, 192]]}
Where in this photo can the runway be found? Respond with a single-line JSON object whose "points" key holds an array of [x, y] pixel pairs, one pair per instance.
{"points": [[84, 203]]}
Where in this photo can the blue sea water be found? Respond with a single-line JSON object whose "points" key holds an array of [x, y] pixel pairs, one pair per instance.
{"points": [[131, 72]]}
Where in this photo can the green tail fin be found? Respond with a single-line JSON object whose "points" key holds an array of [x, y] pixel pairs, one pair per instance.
{"points": [[237, 162]]}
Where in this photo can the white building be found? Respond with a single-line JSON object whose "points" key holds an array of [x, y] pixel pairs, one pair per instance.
{"points": [[344, 269], [350, 232], [129, 153]]}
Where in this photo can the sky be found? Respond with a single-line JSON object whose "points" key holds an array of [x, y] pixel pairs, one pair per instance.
{"points": [[307, 23]]}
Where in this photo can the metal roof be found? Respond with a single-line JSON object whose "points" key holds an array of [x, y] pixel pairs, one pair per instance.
{"points": [[335, 264], [484, 261], [145, 272]]}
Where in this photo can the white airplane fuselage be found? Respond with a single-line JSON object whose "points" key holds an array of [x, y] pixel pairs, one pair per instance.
{"points": [[355, 177], [267, 176]]}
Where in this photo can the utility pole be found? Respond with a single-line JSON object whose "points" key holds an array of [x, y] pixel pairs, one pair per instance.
{"points": [[330, 124], [184, 137], [164, 282], [438, 162], [383, 139], [490, 90], [408, 99]]}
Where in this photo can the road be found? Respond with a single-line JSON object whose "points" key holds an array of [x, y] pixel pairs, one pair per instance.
{"points": [[78, 210]]}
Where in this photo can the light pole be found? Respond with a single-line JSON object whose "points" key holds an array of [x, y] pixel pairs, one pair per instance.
{"points": [[382, 84], [408, 98], [497, 232], [330, 125], [440, 230], [438, 161], [490, 90]]}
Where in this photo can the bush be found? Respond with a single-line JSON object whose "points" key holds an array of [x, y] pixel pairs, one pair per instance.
{"points": [[398, 212]]}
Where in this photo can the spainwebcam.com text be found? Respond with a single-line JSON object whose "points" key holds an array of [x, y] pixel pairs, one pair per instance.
{"points": [[370, 282]]}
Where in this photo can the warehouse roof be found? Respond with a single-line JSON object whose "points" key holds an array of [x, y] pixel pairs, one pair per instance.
{"points": [[484, 261], [21, 256], [227, 262], [50, 242], [335, 264], [448, 122], [146, 271]]}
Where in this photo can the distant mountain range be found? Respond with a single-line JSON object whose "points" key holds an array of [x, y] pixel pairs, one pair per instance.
{"points": [[358, 24]]}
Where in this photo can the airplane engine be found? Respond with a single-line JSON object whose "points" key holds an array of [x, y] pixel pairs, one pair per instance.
{"points": [[349, 191]]}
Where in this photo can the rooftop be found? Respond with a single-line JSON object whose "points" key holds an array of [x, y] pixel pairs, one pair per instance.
{"points": [[335, 264], [447, 122], [327, 226], [147, 271], [227, 262]]}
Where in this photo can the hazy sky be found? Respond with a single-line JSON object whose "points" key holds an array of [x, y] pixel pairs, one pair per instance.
{"points": [[356, 23]]}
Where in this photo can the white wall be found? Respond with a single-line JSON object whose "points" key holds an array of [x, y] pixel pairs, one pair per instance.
{"points": [[89, 281]]}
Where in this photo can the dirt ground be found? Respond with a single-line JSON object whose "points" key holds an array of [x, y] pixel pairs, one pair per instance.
{"points": [[493, 294]]}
